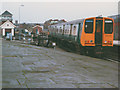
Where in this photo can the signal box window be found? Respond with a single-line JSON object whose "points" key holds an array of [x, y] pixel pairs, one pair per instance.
{"points": [[89, 26], [108, 27]]}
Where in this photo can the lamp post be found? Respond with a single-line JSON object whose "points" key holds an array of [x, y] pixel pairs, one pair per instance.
{"points": [[19, 22]]}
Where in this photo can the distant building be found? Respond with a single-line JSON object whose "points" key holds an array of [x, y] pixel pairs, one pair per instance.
{"points": [[28, 26], [7, 28], [51, 22], [6, 24], [5, 16], [37, 29]]}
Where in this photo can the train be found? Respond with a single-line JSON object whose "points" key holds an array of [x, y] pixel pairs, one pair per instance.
{"points": [[88, 36]]}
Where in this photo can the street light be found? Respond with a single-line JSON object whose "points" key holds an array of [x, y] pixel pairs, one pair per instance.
{"points": [[19, 21]]}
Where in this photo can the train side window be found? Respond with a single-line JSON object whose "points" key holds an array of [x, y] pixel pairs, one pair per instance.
{"points": [[63, 29], [71, 25], [89, 26], [60, 29], [74, 30], [55, 29], [108, 27]]}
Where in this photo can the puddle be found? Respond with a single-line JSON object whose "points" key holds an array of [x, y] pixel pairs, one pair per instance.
{"points": [[32, 54], [9, 56], [43, 71], [24, 46], [43, 63], [28, 63], [66, 77], [5, 82], [40, 68]]}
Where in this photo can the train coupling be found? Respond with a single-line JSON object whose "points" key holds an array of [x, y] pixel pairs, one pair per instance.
{"points": [[99, 50]]}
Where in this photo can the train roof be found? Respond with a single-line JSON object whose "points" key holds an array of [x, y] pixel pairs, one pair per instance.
{"points": [[75, 21], [71, 22]]}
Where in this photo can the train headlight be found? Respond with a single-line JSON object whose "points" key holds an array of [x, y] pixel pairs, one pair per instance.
{"points": [[105, 41], [91, 40], [54, 44]]}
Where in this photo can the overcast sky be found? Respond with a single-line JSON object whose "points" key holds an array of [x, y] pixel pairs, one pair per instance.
{"points": [[42, 11]]}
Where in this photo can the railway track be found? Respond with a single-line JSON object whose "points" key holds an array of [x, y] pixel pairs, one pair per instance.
{"points": [[113, 60], [110, 54], [112, 57]]}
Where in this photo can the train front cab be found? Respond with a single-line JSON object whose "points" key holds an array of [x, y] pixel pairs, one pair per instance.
{"points": [[97, 34]]}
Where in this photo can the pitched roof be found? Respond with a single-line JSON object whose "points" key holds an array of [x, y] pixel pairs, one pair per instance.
{"points": [[6, 13], [37, 26], [6, 23]]}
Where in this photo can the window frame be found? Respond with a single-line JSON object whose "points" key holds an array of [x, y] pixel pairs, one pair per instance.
{"points": [[92, 26], [105, 26]]}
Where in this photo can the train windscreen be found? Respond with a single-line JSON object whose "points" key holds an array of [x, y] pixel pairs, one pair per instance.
{"points": [[89, 26], [108, 27]]}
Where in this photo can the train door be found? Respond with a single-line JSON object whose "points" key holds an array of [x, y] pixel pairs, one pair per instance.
{"points": [[78, 35], [98, 32]]}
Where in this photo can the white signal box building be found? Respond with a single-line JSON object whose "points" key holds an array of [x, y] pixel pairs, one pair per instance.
{"points": [[7, 28]]}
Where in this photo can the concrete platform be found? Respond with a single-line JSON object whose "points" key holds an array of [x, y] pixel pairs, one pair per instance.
{"points": [[116, 42], [27, 66]]}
